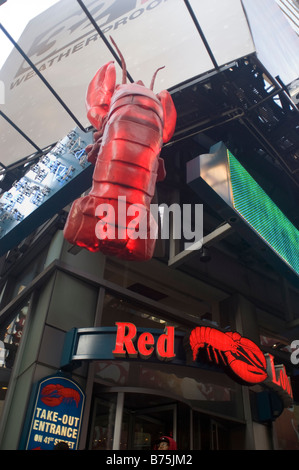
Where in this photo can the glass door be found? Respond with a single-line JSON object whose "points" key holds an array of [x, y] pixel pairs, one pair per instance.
{"points": [[103, 422], [219, 436], [131, 421], [215, 433], [142, 428]]}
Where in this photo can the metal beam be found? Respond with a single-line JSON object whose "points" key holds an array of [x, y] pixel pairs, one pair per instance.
{"points": [[102, 36], [21, 133], [39, 74], [200, 31], [184, 256]]}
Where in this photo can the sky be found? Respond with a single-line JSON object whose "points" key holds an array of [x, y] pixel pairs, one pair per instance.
{"points": [[14, 16]]}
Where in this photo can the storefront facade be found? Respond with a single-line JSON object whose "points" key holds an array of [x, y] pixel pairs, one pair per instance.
{"points": [[131, 401], [65, 372]]}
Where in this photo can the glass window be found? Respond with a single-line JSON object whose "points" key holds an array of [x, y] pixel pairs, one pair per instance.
{"points": [[170, 288], [103, 422], [11, 331], [204, 389], [73, 303], [145, 419], [216, 434], [26, 276], [117, 309], [10, 335]]}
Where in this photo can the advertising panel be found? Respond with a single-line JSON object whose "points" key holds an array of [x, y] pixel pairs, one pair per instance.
{"points": [[221, 179], [57, 414], [48, 185]]}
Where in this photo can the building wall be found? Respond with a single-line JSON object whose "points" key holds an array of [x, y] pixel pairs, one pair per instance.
{"points": [[70, 295], [61, 303]]}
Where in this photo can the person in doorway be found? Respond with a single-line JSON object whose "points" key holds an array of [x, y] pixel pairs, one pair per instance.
{"points": [[166, 443], [61, 445]]}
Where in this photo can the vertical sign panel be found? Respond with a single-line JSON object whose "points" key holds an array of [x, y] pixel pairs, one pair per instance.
{"points": [[220, 179], [57, 414], [260, 212]]}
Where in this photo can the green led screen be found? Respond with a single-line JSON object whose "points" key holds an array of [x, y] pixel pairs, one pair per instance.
{"points": [[262, 214]]}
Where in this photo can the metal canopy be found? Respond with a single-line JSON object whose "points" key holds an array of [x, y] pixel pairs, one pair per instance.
{"points": [[48, 71]]}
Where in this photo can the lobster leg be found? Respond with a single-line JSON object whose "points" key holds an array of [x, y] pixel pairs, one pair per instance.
{"points": [[169, 111], [247, 360]]}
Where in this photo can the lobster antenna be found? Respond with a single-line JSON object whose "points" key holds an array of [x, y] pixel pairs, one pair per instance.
{"points": [[123, 63], [154, 77]]}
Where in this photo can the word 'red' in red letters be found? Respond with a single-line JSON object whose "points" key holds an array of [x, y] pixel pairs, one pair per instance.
{"points": [[127, 333]]}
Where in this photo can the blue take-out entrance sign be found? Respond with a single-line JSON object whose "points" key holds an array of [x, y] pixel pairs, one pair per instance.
{"points": [[57, 414]]}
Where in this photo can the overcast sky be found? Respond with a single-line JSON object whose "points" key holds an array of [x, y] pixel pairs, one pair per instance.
{"points": [[14, 16]]}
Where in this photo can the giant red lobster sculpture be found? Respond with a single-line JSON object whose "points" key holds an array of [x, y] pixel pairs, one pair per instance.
{"points": [[132, 124]]}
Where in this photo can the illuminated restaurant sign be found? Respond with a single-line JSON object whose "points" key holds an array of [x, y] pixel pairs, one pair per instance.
{"points": [[124, 341], [220, 178], [241, 354], [278, 380], [228, 350], [127, 333], [56, 415], [48, 186]]}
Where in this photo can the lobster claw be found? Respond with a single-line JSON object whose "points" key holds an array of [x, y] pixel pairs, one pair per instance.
{"points": [[247, 360], [99, 94]]}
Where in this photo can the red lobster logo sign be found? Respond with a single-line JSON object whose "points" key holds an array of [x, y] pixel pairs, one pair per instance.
{"points": [[242, 355], [55, 394], [132, 124]]}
